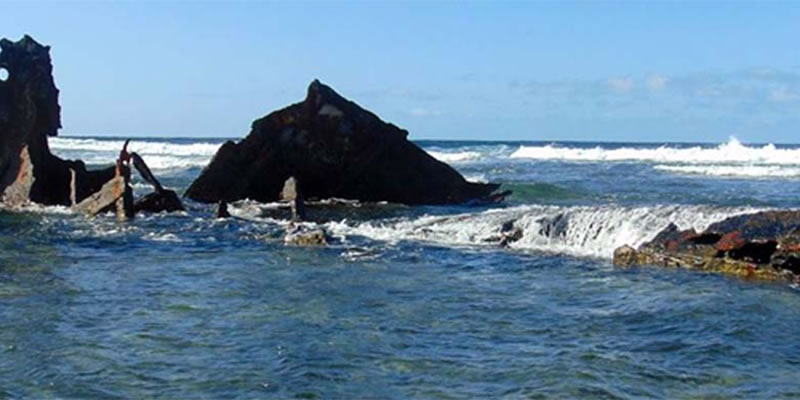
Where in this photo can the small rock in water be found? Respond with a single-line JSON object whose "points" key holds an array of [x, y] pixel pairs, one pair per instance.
{"points": [[625, 256], [302, 236]]}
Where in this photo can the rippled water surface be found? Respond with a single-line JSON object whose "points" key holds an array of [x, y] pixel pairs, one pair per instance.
{"points": [[407, 302]]}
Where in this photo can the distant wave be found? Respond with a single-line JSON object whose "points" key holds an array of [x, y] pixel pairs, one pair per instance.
{"points": [[583, 231], [732, 151], [139, 146]]}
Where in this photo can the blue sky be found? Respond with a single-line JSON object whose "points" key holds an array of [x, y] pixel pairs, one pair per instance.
{"points": [[613, 71]]}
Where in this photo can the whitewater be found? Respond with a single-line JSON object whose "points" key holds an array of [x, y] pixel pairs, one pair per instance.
{"points": [[405, 302]]}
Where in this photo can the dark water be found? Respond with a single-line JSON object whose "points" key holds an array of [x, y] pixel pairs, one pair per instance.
{"points": [[408, 302]]}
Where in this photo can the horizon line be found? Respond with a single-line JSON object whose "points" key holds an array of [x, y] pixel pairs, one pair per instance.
{"points": [[236, 138]]}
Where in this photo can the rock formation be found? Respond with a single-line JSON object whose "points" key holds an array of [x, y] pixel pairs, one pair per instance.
{"points": [[337, 150], [764, 245], [29, 113]]}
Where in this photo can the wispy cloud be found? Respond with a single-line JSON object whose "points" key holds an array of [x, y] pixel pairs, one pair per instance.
{"points": [[657, 82], [743, 95], [783, 95]]}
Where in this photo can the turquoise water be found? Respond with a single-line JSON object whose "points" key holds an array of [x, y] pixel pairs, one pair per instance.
{"points": [[407, 302]]}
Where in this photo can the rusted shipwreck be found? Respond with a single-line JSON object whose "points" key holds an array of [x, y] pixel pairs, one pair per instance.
{"points": [[30, 173]]}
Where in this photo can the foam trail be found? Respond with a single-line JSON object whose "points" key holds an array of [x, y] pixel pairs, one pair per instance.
{"points": [[582, 231], [731, 152], [733, 170]]}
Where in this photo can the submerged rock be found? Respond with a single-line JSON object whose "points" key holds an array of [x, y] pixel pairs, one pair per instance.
{"points": [[624, 256], [302, 236], [337, 150], [762, 245], [29, 113]]}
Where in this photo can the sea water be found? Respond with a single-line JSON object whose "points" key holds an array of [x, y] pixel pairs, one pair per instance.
{"points": [[406, 302]]}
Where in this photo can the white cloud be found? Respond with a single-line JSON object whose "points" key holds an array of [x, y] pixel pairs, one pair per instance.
{"points": [[621, 84], [656, 82]]}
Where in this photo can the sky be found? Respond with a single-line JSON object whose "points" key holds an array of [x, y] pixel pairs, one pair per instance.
{"points": [[482, 70]]}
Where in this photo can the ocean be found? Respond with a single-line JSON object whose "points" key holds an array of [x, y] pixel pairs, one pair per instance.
{"points": [[406, 302]]}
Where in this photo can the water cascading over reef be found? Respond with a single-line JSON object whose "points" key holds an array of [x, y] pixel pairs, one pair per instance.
{"points": [[29, 113]]}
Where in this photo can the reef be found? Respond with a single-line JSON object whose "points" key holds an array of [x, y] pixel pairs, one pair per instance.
{"points": [[763, 245], [337, 150]]}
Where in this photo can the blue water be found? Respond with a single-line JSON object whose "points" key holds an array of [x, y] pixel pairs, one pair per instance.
{"points": [[407, 302]]}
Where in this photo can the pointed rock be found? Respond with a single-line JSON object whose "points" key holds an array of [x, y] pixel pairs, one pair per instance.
{"points": [[336, 149]]}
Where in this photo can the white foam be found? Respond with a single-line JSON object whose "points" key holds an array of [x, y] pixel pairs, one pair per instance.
{"points": [[460, 156], [731, 152], [748, 171], [35, 208], [583, 231], [477, 178]]}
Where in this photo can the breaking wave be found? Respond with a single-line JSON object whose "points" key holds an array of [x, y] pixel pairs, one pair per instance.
{"points": [[159, 155], [593, 231], [732, 151]]}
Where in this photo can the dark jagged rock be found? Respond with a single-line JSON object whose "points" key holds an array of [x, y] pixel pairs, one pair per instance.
{"points": [[29, 113], [161, 201], [337, 150], [764, 245], [222, 210]]}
